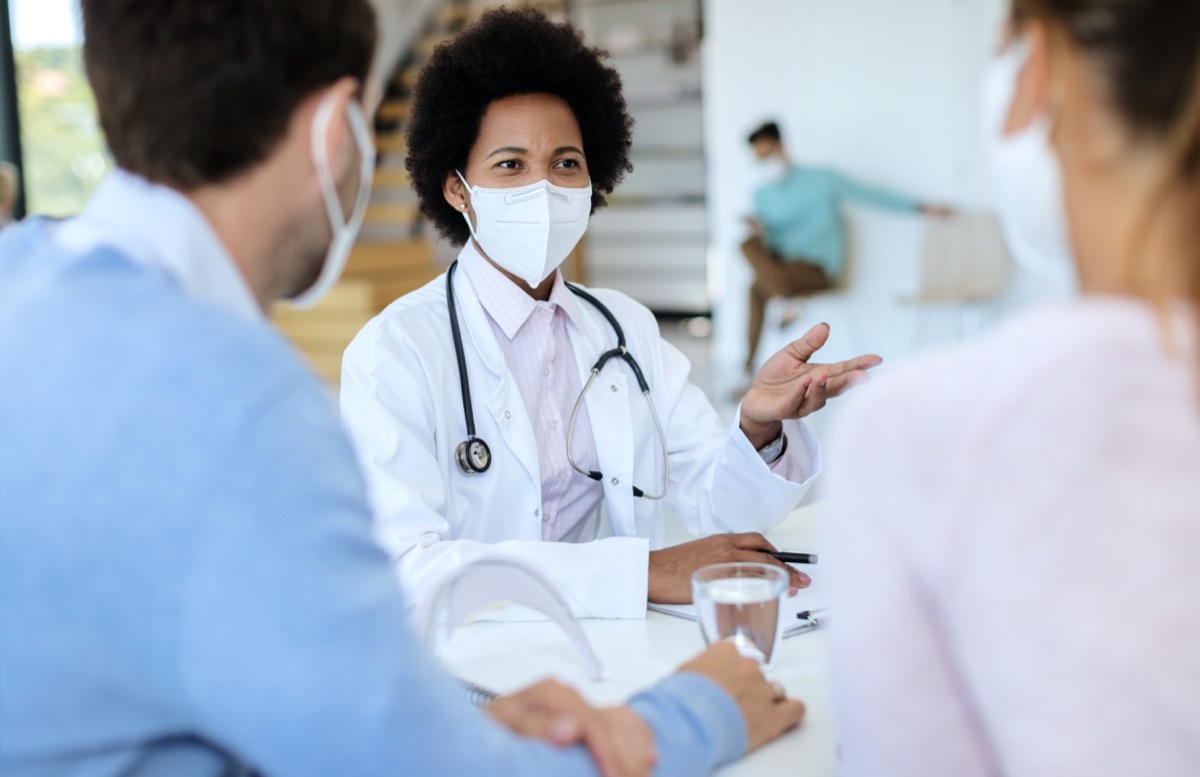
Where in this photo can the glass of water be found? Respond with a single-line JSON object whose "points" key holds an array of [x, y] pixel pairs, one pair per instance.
{"points": [[740, 601]]}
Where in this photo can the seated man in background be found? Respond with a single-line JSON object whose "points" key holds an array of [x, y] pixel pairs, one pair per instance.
{"points": [[188, 581], [799, 242]]}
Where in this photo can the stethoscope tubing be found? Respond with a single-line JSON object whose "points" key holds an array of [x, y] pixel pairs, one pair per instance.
{"points": [[473, 442]]}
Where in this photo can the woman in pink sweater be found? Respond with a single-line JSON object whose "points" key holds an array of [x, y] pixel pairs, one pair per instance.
{"points": [[1017, 538]]}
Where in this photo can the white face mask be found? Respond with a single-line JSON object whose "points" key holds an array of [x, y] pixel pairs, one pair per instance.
{"points": [[344, 231], [772, 169], [530, 230], [1024, 173]]}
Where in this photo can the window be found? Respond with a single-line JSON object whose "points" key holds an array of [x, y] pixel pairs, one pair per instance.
{"points": [[62, 147]]}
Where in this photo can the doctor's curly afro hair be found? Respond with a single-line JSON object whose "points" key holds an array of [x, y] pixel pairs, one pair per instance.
{"points": [[510, 52]]}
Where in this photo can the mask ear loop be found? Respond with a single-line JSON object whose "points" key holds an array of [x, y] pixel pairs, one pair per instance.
{"points": [[320, 150], [467, 216]]}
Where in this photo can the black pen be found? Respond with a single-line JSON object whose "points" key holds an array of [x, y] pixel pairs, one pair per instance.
{"points": [[794, 558]]}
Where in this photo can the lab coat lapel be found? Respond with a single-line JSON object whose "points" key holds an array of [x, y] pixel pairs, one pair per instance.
{"points": [[608, 406], [504, 401]]}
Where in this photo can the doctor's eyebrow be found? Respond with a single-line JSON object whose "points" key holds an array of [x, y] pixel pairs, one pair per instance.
{"points": [[518, 150], [506, 150]]}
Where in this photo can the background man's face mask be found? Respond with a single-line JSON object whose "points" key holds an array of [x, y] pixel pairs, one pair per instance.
{"points": [[345, 230], [1023, 172], [528, 231]]}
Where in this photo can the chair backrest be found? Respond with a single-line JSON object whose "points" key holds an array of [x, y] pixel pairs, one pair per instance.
{"points": [[964, 257]]}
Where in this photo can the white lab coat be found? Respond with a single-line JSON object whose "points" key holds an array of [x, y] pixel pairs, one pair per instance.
{"points": [[402, 404]]}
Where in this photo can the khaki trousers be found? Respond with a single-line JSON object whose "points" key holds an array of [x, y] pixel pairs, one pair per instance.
{"points": [[774, 277]]}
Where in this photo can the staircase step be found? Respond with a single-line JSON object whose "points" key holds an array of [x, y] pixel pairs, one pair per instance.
{"points": [[393, 110], [398, 213], [391, 143]]}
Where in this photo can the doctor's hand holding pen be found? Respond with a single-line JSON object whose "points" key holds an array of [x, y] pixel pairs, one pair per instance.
{"points": [[788, 386], [671, 569]]}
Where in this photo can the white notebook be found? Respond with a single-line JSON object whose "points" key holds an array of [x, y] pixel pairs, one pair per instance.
{"points": [[813, 601]]}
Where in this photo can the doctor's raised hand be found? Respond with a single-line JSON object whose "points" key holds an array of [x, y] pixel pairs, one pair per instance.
{"points": [[790, 386]]}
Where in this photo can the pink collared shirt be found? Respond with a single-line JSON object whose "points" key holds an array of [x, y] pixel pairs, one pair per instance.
{"points": [[533, 337]]}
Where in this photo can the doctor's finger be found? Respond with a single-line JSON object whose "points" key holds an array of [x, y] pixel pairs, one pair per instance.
{"points": [[812, 341], [864, 362], [796, 578], [752, 540]]}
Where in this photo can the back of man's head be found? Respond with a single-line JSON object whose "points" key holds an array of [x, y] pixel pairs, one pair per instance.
{"points": [[195, 92]]}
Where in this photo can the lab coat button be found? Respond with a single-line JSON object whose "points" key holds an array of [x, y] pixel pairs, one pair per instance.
{"points": [[613, 387], [536, 513], [615, 482], [507, 414]]}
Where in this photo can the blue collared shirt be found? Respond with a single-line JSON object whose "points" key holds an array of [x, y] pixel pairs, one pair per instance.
{"points": [[187, 575]]}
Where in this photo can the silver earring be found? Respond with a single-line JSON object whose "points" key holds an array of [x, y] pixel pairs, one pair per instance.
{"points": [[463, 206]]}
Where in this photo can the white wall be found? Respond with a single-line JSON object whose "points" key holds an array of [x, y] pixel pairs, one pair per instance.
{"points": [[885, 90]]}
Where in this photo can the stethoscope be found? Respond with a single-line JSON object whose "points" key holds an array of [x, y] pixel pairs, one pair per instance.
{"points": [[473, 454]]}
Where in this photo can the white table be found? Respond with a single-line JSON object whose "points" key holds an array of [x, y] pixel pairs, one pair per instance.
{"points": [[637, 653]]}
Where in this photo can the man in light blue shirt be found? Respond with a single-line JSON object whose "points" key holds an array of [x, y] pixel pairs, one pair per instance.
{"points": [[188, 583], [799, 243]]}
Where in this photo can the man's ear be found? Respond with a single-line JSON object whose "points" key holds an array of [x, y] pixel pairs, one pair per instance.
{"points": [[1032, 94]]}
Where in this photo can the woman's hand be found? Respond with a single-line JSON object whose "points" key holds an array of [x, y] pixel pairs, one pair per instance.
{"points": [[788, 386]]}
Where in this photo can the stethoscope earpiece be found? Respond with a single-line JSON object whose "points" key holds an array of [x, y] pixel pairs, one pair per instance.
{"points": [[474, 456]]}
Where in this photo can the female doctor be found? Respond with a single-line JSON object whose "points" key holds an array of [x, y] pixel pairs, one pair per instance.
{"points": [[499, 410]]}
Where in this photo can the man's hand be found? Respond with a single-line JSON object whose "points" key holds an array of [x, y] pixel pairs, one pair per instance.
{"points": [[766, 709], [671, 568], [788, 386], [619, 740]]}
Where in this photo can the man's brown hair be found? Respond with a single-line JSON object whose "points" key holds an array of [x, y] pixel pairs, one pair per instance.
{"points": [[194, 92]]}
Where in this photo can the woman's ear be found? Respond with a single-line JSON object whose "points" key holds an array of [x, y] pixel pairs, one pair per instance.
{"points": [[1032, 94], [455, 192]]}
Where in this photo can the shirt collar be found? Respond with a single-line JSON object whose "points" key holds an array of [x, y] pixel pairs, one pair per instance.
{"points": [[156, 226], [505, 302]]}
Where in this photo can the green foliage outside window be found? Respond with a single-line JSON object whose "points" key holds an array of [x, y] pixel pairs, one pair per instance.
{"points": [[63, 149]]}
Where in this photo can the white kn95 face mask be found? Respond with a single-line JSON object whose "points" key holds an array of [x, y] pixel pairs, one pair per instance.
{"points": [[529, 230], [1024, 172]]}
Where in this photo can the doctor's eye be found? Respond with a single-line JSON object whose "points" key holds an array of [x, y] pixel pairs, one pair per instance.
{"points": [[569, 164], [509, 164]]}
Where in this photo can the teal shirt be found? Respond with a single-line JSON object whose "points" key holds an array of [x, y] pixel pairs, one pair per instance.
{"points": [[802, 219], [188, 579]]}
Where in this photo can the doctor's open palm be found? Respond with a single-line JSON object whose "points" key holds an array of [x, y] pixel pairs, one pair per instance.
{"points": [[790, 386]]}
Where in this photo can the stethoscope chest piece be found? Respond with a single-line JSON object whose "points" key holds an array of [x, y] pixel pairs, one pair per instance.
{"points": [[474, 456]]}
